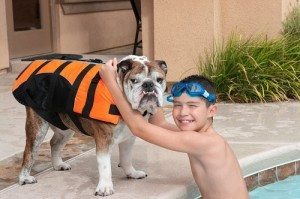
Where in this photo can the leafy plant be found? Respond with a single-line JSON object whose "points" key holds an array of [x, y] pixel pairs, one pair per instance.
{"points": [[256, 69], [291, 25]]}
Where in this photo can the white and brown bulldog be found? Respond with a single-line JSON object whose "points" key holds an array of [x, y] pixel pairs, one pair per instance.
{"points": [[143, 83]]}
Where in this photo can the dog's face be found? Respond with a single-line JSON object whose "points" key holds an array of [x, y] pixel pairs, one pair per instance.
{"points": [[143, 82]]}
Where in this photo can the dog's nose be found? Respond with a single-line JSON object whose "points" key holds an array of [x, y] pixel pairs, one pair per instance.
{"points": [[148, 86]]}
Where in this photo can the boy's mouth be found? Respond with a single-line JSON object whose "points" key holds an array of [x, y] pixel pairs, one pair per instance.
{"points": [[185, 121]]}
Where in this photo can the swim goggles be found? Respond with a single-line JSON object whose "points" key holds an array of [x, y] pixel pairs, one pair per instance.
{"points": [[193, 89]]}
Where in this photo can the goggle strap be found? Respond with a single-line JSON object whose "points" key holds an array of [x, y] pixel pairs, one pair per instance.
{"points": [[205, 94], [170, 98]]}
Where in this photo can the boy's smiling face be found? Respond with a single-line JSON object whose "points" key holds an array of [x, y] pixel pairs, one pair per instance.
{"points": [[191, 113]]}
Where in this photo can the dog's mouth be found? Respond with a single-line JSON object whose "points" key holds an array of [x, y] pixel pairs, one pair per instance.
{"points": [[149, 97], [147, 93]]}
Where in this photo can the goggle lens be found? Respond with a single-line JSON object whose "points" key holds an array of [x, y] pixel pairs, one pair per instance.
{"points": [[193, 89]]}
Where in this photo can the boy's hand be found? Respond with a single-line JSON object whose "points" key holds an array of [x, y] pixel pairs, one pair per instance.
{"points": [[108, 72]]}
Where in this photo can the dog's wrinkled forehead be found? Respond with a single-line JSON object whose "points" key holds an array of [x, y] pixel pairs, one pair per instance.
{"points": [[141, 59], [129, 62], [140, 65]]}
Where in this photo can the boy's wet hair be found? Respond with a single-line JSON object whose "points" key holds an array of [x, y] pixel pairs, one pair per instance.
{"points": [[205, 82]]}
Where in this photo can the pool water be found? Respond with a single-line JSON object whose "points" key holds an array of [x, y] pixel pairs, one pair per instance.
{"points": [[285, 189]]}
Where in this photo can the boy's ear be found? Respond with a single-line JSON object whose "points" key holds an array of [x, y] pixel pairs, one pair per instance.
{"points": [[212, 110]]}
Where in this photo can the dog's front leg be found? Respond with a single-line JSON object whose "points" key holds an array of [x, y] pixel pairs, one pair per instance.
{"points": [[105, 185], [125, 152]]}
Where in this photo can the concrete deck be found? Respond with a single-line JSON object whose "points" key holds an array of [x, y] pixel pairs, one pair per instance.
{"points": [[251, 130]]}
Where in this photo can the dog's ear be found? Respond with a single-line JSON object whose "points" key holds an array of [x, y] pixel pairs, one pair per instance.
{"points": [[124, 66], [163, 65]]}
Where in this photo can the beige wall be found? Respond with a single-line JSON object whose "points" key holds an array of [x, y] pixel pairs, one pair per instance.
{"points": [[88, 32], [4, 59], [257, 17], [148, 25], [180, 31]]}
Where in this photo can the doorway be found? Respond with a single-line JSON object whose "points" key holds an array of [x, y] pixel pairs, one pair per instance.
{"points": [[28, 27]]}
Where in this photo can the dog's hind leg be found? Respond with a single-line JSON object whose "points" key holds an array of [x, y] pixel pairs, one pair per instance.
{"points": [[125, 154], [36, 129], [57, 143]]}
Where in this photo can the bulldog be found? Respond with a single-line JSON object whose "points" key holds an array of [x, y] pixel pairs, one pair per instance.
{"points": [[143, 83]]}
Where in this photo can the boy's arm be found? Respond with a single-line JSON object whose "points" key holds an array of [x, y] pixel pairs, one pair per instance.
{"points": [[183, 141], [159, 119]]}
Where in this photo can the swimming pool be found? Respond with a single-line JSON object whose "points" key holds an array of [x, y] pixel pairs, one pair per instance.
{"points": [[285, 189]]}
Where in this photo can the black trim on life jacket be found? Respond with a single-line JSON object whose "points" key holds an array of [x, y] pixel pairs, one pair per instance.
{"points": [[26, 96], [76, 84], [113, 110], [90, 96], [51, 117], [37, 70], [71, 99], [77, 123], [61, 67], [53, 84]]}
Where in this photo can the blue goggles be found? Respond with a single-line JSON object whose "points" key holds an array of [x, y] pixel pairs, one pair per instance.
{"points": [[193, 89]]}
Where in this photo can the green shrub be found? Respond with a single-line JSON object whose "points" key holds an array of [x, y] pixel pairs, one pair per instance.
{"points": [[291, 25], [255, 69]]}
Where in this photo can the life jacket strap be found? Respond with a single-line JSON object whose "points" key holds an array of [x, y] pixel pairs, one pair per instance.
{"points": [[77, 123], [113, 110]]}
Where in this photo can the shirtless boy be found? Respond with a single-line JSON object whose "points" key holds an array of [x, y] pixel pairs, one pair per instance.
{"points": [[213, 163]]}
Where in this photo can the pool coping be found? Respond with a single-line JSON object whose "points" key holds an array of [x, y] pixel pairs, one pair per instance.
{"points": [[271, 166]]}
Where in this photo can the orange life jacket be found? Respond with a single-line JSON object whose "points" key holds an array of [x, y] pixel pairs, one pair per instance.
{"points": [[71, 87]]}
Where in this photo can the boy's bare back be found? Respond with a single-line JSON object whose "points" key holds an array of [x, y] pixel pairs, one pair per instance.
{"points": [[216, 169]]}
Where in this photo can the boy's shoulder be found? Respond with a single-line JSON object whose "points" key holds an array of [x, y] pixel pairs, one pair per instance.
{"points": [[208, 138], [214, 138], [208, 144]]}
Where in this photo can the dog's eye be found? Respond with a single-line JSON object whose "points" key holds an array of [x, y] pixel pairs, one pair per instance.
{"points": [[159, 80], [134, 81]]}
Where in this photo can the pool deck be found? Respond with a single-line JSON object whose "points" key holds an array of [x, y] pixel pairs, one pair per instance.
{"points": [[256, 132]]}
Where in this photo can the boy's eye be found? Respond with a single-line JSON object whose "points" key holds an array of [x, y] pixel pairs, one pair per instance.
{"points": [[134, 81], [193, 106], [176, 105]]}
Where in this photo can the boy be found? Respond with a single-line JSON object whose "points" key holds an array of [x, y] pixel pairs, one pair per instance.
{"points": [[213, 163]]}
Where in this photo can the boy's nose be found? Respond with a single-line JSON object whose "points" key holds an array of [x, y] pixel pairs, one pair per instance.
{"points": [[184, 110]]}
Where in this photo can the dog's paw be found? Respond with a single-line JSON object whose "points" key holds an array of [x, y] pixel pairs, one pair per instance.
{"points": [[27, 180], [137, 175], [104, 190], [62, 167]]}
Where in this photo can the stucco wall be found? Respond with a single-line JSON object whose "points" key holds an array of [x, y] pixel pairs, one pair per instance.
{"points": [[148, 27], [258, 17], [182, 31], [4, 59], [88, 32]]}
